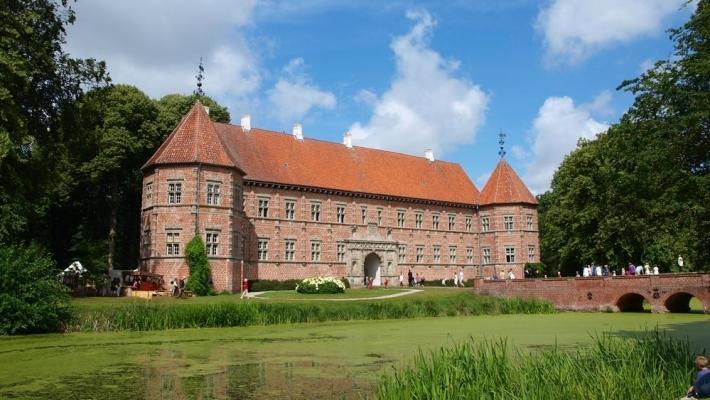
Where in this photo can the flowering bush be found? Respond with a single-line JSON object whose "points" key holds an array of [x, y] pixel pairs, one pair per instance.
{"points": [[321, 285]]}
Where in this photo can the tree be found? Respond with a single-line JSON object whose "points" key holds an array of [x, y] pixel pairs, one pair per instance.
{"points": [[31, 298], [640, 192], [37, 81], [199, 280]]}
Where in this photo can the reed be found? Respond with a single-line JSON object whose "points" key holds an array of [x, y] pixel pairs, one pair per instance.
{"points": [[652, 366], [150, 316]]}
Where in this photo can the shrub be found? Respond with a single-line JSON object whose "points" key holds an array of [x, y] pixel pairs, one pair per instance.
{"points": [[31, 298], [487, 370], [199, 280], [321, 285], [267, 285]]}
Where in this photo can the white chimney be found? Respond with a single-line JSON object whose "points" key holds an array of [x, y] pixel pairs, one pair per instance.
{"points": [[207, 109], [246, 122], [348, 140], [298, 131], [429, 154]]}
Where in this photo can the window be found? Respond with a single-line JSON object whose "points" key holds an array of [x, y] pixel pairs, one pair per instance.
{"points": [[263, 211], [146, 241], [530, 222], [315, 251], [402, 253], [174, 193], [469, 255], [315, 212], [485, 224], [379, 216], [172, 243], [437, 254], [340, 213], [510, 254], [468, 223], [340, 250], [400, 218], [363, 213], [262, 248], [435, 221], [149, 191], [213, 190], [289, 249], [420, 254], [486, 255], [508, 222], [211, 243], [452, 222], [452, 254], [531, 253], [418, 217], [290, 210]]}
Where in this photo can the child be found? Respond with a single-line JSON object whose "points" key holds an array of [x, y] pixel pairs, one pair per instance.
{"points": [[245, 289], [701, 387]]}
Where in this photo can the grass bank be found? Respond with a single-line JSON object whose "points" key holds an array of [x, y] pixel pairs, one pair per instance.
{"points": [[654, 366], [147, 316]]}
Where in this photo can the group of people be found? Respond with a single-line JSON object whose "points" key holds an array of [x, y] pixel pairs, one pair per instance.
{"points": [[177, 287], [416, 280], [630, 270]]}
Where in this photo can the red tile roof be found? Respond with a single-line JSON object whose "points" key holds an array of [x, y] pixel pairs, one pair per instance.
{"points": [[505, 187], [268, 156], [194, 140]]}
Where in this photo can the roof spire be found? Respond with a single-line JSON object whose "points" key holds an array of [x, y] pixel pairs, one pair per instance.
{"points": [[200, 76], [501, 144]]}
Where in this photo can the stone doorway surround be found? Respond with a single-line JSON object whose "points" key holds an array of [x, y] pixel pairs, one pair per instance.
{"points": [[358, 247]]}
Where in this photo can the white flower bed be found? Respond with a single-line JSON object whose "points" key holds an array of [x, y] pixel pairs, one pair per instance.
{"points": [[321, 285]]}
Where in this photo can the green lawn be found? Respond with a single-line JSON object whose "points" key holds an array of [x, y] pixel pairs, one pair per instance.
{"points": [[318, 360], [359, 294]]}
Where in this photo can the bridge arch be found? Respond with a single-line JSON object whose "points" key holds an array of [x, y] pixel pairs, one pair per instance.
{"points": [[679, 302], [630, 301]]}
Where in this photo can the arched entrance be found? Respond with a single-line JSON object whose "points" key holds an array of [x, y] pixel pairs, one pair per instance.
{"points": [[630, 302], [679, 303], [373, 269]]}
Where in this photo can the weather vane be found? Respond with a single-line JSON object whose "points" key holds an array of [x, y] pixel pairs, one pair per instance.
{"points": [[501, 144], [200, 76]]}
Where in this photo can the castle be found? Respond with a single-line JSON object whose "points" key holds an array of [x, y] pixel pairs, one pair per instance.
{"points": [[271, 205]]}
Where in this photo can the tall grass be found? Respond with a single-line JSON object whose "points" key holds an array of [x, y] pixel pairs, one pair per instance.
{"points": [[148, 316], [652, 366]]}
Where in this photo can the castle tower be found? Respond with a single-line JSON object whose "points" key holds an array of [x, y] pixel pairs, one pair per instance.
{"points": [[189, 188], [508, 228]]}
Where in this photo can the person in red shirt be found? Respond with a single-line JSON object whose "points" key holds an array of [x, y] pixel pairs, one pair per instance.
{"points": [[245, 289]]}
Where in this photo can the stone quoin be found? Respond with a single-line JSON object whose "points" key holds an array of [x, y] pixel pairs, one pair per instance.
{"points": [[283, 206]]}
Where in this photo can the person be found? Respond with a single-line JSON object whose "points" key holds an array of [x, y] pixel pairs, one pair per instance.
{"points": [[410, 278], [443, 281], [369, 282], [502, 275], [461, 281], [647, 269], [585, 271], [181, 286], [456, 280], [387, 282], [631, 269], [623, 271], [606, 270], [511, 275], [576, 274], [598, 270], [655, 270], [701, 385], [680, 261], [639, 269], [136, 283], [559, 274], [245, 289], [416, 280], [401, 279], [613, 273]]}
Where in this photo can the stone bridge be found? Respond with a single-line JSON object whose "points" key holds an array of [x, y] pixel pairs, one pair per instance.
{"points": [[665, 293]]}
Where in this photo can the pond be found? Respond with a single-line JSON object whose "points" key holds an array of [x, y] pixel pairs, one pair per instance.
{"points": [[302, 361]]}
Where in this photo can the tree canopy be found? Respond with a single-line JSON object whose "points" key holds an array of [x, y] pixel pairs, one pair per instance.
{"points": [[640, 192]]}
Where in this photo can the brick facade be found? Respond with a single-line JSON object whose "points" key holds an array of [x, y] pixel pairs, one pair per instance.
{"points": [[290, 231]]}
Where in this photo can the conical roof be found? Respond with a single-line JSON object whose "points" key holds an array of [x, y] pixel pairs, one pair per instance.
{"points": [[194, 140], [505, 187]]}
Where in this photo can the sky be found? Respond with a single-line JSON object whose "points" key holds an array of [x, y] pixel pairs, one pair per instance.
{"points": [[399, 75]]}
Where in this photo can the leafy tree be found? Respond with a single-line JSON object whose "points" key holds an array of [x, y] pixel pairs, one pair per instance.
{"points": [[31, 298], [37, 81], [199, 280], [640, 192]]}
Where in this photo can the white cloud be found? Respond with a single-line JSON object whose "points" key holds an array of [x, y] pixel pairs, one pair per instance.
{"points": [[646, 65], [365, 96], [519, 152], [293, 95], [574, 29], [555, 132], [601, 105], [157, 46], [426, 106]]}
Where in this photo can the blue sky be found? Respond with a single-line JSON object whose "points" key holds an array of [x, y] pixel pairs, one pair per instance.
{"points": [[400, 75]]}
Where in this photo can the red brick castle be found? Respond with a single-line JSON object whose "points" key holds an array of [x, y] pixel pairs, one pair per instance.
{"points": [[289, 207]]}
